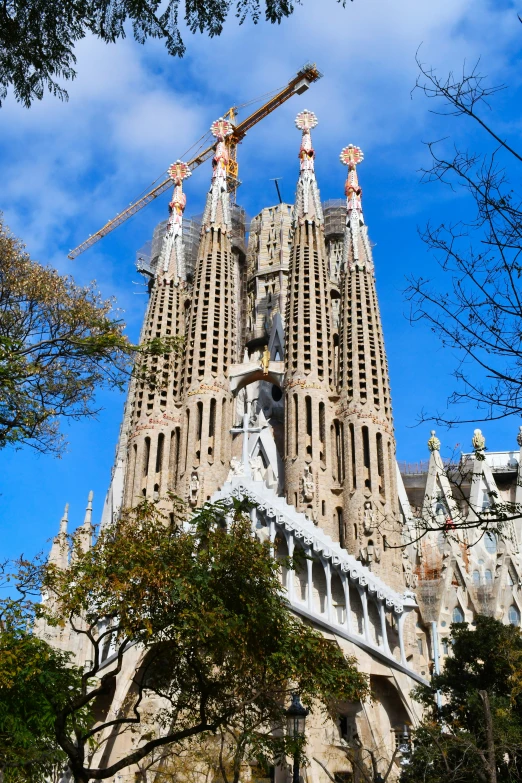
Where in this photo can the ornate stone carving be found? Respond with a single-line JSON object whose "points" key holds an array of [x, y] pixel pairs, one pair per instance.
{"points": [[410, 579], [519, 436], [257, 468], [308, 484], [265, 360], [194, 489], [368, 518], [478, 440], [433, 442], [236, 468]]}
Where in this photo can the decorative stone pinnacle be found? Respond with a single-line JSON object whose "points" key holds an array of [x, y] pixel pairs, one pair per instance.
{"points": [[305, 121], [478, 440], [221, 128], [351, 156], [179, 171], [519, 436], [433, 442]]}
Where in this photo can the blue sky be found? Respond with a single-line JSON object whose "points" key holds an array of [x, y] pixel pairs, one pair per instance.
{"points": [[68, 167]]}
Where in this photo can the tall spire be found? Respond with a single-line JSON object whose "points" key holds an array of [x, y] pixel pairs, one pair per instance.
{"points": [[308, 350], [217, 209], [365, 428], [172, 261], [83, 535], [307, 200], [357, 248], [59, 553]]}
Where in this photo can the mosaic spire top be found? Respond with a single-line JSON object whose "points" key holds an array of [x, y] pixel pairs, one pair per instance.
{"points": [[307, 203]]}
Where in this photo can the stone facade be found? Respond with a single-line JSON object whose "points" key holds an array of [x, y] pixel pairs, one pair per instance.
{"points": [[283, 395]]}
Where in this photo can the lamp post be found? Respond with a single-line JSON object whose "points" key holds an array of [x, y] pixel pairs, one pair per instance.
{"points": [[295, 728]]}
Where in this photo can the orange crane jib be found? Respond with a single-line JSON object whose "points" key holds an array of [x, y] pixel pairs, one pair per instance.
{"points": [[296, 86]]}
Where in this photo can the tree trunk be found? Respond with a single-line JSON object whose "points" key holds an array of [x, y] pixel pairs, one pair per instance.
{"points": [[492, 762]]}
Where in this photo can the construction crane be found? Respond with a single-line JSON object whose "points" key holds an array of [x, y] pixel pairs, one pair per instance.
{"points": [[296, 86]]}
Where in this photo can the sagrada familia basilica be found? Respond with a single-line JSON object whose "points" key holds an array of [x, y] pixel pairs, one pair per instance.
{"points": [[282, 395]]}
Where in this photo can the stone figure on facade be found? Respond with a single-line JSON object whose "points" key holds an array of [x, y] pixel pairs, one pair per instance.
{"points": [[265, 360], [368, 518], [478, 440], [257, 468], [370, 554], [236, 469], [308, 484], [410, 579], [194, 489]]}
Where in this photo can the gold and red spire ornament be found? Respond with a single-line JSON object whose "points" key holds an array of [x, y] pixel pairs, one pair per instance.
{"points": [[218, 195], [175, 262], [356, 232], [308, 203]]}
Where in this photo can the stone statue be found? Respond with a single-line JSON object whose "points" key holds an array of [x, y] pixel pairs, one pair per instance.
{"points": [[194, 489], [370, 554], [236, 469], [368, 518], [433, 442], [257, 468], [478, 440], [265, 360], [410, 579], [519, 436], [308, 484]]}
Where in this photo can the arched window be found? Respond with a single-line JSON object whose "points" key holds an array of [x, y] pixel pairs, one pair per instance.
{"points": [[476, 577], [490, 542], [458, 615], [513, 615], [488, 576]]}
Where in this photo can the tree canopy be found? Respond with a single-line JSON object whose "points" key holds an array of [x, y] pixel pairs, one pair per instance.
{"points": [[220, 650], [37, 37], [476, 733], [59, 344]]}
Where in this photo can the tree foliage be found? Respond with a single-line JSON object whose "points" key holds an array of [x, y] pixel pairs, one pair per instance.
{"points": [[221, 650], [477, 311], [37, 37], [59, 344], [477, 732]]}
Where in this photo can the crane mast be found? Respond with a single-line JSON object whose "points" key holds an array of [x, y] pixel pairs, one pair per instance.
{"points": [[296, 86]]}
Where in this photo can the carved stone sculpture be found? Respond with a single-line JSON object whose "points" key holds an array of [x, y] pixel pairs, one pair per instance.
{"points": [[410, 579], [257, 468], [368, 518], [265, 360], [194, 489], [308, 484], [236, 469]]}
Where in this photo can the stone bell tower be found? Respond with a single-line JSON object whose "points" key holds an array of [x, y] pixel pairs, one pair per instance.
{"points": [[211, 344], [364, 423], [309, 358], [154, 394]]}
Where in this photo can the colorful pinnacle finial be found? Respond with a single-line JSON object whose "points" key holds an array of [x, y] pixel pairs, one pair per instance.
{"points": [[350, 156], [221, 128], [179, 171], [305, 121]]}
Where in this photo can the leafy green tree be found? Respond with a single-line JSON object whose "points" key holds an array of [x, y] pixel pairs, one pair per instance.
{"points": [[59, 344], [221, 648], [477, 732], [37, 37]]}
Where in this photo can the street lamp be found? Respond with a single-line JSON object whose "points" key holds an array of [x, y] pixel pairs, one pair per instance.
{"points": [[295, 728]]}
